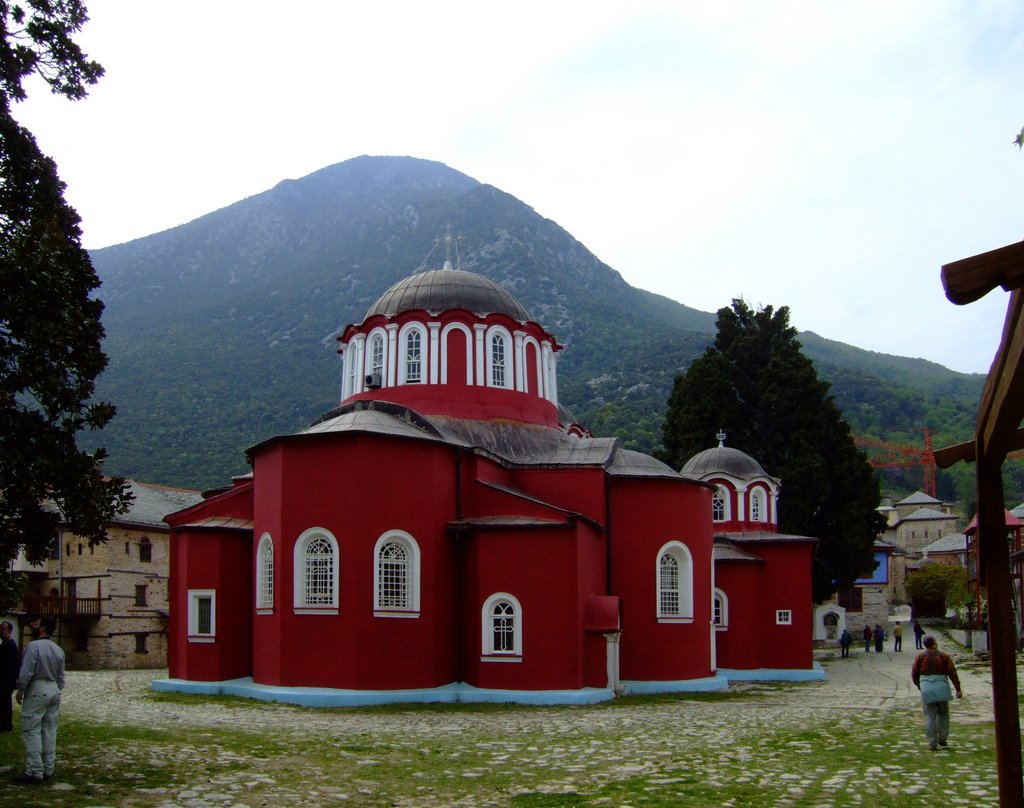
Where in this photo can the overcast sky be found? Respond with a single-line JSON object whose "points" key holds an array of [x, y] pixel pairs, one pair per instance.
{"points": [[827, 156]]}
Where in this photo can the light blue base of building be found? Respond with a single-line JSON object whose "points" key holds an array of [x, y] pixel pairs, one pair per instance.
{"points": [[460, 693], [705, 685], [814, 674], [456, 693]]}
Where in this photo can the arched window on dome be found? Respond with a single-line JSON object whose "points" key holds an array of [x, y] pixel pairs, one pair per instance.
{"points": [[720, 504], [675, 583], [396, 575], [498, 350], [757, 505], [499, 358], [413, 340], [315, 565], [375, 357], [501, 628]]}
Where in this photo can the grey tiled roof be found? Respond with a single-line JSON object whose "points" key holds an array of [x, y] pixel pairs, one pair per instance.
{"points": [[919, 498], [922, 514], [724, 550], [723, 459], [153, 502], [955, 542]]}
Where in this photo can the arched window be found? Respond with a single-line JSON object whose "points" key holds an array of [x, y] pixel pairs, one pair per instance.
{"points": [[675, 583], [265, 575], [757, 511], [500, 371], [396, 575], [720, 505], [412, 357], [720, 610], [145, 549], [498, 360], [316, 572], [375, 365], [501, 628]]}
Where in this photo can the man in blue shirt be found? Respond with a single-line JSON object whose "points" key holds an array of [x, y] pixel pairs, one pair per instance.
{"points": [[39, 685]]}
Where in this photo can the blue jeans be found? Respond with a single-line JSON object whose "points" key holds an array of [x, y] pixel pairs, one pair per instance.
{"points": [[39, 713]]}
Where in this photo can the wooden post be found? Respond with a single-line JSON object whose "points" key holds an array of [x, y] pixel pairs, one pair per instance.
{"points": [[994, 565]]}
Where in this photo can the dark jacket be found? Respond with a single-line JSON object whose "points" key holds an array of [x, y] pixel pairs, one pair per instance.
{"points": [[10, 664]]}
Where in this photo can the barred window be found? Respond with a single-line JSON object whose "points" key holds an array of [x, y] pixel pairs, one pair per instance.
{"points": [[265, 573], [202, 615], [675, 583], [502, 628], [145, 549], [316, 572], [392, 579], [396, 575]]}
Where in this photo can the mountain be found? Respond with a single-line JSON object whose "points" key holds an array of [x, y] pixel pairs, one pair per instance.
{"points": [[221, 332]]}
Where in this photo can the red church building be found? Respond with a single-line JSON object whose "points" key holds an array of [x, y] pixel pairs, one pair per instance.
{"points": [[448, 533]]}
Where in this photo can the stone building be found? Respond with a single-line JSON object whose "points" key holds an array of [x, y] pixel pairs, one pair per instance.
{"points": [[110, 599]]}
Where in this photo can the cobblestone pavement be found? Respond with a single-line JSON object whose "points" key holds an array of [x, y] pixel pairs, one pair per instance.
{"points": [[865, 682]]}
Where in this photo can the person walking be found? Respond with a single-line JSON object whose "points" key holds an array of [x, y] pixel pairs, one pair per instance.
{"points": [[39, 685], [845, 641], [918, 634], [10, 665], [879, 637], [931, 673], [867, 638], [897, 637]]}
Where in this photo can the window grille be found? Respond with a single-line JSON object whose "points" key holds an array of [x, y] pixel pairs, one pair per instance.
{"points": [[319, 572], [503, 628], [718, 506], [668, 585], [498, 360], [413, 358]]}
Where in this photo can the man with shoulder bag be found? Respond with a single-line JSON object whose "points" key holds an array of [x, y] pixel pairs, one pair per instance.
{"points": [[931, 673]]}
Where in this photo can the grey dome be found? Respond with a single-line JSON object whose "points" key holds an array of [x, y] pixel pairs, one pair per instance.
{"points": [[442, 289], [722, 460]]}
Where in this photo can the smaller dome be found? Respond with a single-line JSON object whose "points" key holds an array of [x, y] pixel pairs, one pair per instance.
{"points": [[722, 460], [438, 290]]}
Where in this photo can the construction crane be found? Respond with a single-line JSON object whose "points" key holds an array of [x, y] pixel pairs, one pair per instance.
{"points": [[882, 454]]}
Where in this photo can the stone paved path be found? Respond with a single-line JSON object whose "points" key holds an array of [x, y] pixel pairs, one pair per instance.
{"points": [[571, 740]]}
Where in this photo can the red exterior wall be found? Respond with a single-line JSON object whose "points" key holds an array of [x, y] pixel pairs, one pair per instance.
{"points": [[218, 560], [756, 592], [381, 484], [645, 515]]}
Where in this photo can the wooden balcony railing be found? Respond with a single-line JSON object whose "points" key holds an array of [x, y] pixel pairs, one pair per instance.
{"points": [[62, 606]]}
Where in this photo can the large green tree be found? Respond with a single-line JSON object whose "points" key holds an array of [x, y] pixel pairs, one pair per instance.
{"points": [[50, 331], [756, 384]]}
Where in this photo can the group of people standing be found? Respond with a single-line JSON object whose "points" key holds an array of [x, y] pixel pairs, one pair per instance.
{"points": [[36, 680], [876, 635]]}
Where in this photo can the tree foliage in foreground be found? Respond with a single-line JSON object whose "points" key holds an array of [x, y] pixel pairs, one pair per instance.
{"points": [[942, 583], [50, 331], [756, 384]]}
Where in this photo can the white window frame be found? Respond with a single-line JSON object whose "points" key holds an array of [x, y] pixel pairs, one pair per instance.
{"points": [[723, 492], [683, 611], [783, 617], [299, 569], [403, 353], [412, 575], [508, 361], [488, 651], [195, 596], [265, 575], [758, 505], [377, 337], [721, 600]]}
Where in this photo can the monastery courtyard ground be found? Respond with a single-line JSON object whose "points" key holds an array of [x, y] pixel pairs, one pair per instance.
{"points": [[855, 739]]}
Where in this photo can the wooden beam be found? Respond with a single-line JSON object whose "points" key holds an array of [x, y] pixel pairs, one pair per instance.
{"points": [[948, 455], [1002, 401], [970, 279]]}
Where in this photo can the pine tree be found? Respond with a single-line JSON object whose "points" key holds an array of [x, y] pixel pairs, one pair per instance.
{"points": [[50, 331], [755, 383]]}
